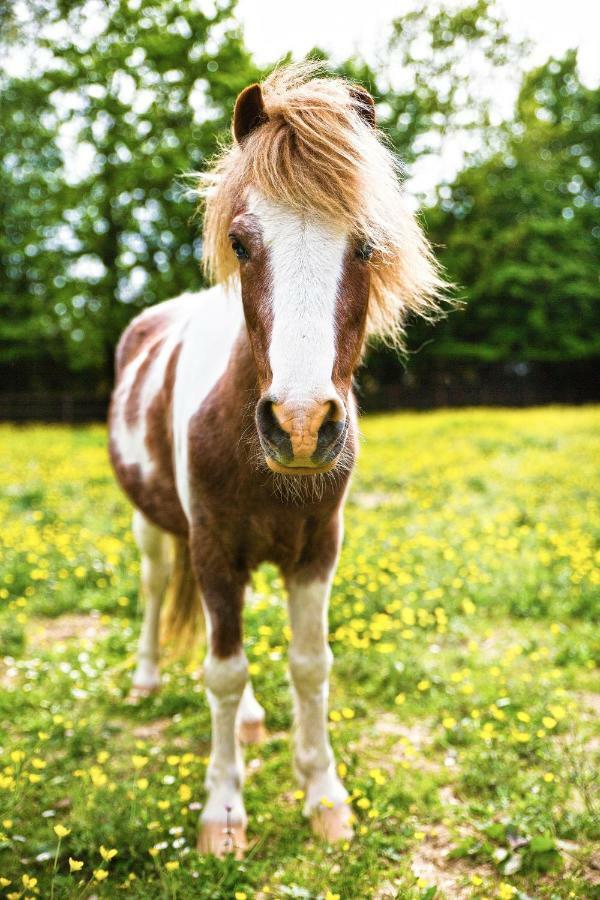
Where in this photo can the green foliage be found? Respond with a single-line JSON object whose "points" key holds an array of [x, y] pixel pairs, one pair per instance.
{"points": [[519, 231], [467, 735], [146, 100], [125, 97]]}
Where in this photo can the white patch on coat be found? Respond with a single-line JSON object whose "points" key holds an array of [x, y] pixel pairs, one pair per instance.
{"points": [[306, 262], [225, 683], [310, 661], [130, 440], [208, 340]]}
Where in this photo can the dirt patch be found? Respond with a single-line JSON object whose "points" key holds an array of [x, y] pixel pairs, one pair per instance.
{"points": [[430, 861], [151, 731], [44, 633], [372, 500], [590, 701]]}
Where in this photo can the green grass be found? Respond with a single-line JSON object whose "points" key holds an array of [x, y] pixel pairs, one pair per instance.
{"points": [[464, 699]]}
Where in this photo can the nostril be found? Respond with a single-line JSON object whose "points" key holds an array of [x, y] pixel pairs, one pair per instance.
{"points": [[265, 417], [331, 432], [336, 412], [271, 433]]}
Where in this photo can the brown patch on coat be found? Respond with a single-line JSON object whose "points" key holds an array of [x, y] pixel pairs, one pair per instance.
{"points": [[238, 518], [132, 404], [142, 330], [156, 494], [255, 279], [351, 319]]}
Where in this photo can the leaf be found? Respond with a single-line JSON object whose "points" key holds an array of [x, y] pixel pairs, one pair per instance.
{"points": [[542, 843], [429, 893], [496, 831]]}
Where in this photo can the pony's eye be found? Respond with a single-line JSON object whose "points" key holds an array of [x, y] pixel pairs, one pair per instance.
{"points": [[239, 249], [364, 251]]}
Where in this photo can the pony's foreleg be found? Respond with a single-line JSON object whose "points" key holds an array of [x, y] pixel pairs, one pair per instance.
{"points": [[155, 570], [223, 818], [310, 661]]}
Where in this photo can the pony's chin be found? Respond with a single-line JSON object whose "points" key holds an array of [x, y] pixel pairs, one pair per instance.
{"points": [[299, 470]]}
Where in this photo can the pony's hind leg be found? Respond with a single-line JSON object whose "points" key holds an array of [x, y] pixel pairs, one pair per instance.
{"points": [[250, 718], [155, 567]]}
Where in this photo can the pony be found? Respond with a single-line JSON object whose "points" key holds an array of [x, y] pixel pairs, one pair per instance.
{"points": [[233, 425]]}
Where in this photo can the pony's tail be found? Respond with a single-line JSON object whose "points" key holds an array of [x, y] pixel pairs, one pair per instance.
{"points": [[182, 621]]}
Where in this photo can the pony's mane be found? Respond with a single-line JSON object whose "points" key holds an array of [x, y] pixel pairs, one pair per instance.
{"points": [[319, 155]]}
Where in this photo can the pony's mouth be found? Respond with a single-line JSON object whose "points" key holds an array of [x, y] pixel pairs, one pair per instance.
{"points": [[299, 470]]}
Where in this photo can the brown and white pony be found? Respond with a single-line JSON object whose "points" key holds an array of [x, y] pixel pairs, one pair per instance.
{"points": [[232, 423]]}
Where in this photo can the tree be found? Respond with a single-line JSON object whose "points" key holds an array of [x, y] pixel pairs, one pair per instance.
{"points": [[142, 99], [520, 231]]}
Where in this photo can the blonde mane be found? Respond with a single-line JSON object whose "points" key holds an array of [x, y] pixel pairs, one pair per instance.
{"points": [[317, 154]]}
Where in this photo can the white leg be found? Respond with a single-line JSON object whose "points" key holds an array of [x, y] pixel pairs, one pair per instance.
{"points": [[155, 570], [224, 817], [310, 662]]}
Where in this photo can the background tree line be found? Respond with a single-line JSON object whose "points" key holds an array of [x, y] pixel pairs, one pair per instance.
{"points": [[124, 97]]}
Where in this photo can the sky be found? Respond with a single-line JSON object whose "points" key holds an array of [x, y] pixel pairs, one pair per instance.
{"points": [[272, 27], [343, 27]]}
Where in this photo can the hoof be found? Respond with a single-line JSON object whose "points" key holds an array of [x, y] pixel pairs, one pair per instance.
{"points": [[332, 825], [222, 840], [252, 732], [139, 692]]}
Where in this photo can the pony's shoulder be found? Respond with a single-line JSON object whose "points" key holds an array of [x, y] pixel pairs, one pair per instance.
{"points": [[153, 322]]}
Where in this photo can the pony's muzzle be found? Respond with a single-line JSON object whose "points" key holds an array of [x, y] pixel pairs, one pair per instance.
{"points": [[301, 437]]}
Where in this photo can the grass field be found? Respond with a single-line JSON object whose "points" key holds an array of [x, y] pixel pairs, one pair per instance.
{"points": [[465, 695]]}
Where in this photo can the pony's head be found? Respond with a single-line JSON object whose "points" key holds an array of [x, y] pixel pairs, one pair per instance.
{"points": [[306, 211]]}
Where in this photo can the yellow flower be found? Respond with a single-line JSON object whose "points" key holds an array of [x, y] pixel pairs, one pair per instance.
{"points": [[29, 881], [142, 783], [548, 722], [423, 685], [60, 831], [139, 761], [329, 896], [400, 699], [107, 855], [506, 891], [75, 865], [100, 874], [185, 793], [548, 777], [449, 722], [171, 865], [298, 795], [476, 880], [4, 882]]}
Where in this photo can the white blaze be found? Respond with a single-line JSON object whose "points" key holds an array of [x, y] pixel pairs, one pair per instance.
{"points": [[306, 259]]}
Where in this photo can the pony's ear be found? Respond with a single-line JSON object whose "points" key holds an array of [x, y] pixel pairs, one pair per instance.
{"points": [[363, 104], [249, 112]]}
